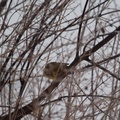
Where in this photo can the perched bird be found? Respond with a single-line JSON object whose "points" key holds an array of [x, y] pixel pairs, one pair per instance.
{"points": [[55, 70]]}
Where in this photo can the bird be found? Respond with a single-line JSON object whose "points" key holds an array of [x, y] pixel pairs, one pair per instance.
{"points": [[55, 70]]}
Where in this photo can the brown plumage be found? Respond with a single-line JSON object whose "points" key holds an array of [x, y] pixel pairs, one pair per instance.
{"points": [[54, 70]]}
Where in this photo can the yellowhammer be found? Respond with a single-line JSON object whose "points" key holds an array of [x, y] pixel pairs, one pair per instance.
{"points": [[54, 70]]}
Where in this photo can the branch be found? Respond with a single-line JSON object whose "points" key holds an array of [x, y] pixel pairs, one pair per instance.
{"points": [[30, 107], [88, 53]]}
